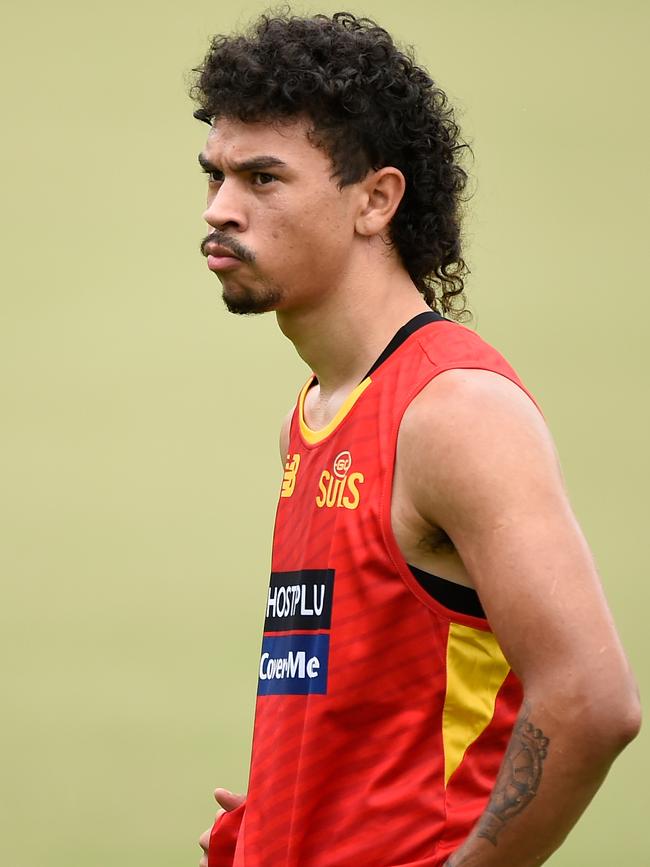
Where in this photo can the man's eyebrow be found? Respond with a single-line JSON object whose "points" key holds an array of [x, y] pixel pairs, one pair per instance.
{"points": [[254, 164]]}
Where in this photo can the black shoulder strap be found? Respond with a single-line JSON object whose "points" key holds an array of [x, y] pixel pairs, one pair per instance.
{"points": [[404, 332]]}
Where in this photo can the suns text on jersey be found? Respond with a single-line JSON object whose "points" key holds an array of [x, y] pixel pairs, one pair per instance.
{"points": [[339, 488]]}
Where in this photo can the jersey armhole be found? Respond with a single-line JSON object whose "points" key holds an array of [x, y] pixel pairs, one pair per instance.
{"points": [[402, 567]]}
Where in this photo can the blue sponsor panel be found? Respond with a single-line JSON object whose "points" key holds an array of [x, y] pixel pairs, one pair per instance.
{"points": [[294, 665]]}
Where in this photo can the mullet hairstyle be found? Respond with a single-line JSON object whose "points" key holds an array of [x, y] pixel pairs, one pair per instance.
{"points": [[370, 106]]}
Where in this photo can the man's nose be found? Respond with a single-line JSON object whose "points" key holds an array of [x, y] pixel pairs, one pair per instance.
{"points": [[224, 209]]}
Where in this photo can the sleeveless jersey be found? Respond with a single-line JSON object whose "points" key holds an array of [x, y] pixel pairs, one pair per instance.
{"points": [[382, 716]]}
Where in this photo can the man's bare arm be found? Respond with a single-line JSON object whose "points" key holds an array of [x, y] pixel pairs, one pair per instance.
{"points": [[478, 461], [226, 799], [284, 436]]}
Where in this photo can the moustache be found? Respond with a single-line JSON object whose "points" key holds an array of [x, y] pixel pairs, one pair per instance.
{"points": [[231, 244]]}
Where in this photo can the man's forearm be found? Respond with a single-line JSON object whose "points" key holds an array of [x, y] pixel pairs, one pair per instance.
{"points": [[550, 772]]}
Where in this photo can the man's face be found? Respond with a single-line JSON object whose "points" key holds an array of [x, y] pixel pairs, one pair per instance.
{"points": [[273, 203]]}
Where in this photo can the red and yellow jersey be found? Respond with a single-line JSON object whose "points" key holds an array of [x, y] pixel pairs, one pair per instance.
{"points": [[382, 714]]}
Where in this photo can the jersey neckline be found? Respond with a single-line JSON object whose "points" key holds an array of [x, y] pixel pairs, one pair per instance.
{"points": [[315, 436], [312, 437]]}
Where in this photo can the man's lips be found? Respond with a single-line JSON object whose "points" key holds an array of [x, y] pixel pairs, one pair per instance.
{"points": [[223, 263], [221, 258]]}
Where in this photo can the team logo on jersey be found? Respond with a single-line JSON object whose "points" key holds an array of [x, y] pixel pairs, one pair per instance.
{"points": [[339, 488], [296, 643], [342, 464], [290, 474]]}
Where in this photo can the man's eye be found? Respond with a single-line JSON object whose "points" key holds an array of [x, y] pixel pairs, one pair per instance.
{"points": [[261, 179], [213, 177]]}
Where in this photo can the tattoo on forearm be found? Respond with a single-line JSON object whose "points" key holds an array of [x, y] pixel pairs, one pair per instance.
{"points": [[519, 777]]}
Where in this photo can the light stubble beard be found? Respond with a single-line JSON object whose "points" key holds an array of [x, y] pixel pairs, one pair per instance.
{"points": [[247, 301]]}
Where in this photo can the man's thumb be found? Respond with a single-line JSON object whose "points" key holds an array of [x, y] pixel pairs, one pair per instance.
{"points": [[228, 800]]}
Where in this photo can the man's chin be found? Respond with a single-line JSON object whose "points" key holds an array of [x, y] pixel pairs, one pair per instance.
{"points": [[245, 303]]}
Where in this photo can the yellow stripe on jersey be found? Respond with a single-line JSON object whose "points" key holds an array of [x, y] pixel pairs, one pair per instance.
{"points": [[476, 669], [315, 436]]}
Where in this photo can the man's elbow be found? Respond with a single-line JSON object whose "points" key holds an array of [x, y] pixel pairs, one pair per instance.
{"points": [[628, 721], [599, 714], [612, 718]]}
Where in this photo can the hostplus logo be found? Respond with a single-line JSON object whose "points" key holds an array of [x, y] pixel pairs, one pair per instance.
{"points": [[340, 488]]}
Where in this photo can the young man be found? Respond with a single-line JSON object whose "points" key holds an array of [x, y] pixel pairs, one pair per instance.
{"points": [[440, 681]]}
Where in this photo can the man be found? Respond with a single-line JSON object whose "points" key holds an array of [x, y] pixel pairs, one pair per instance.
{"points": [[440, 681]]}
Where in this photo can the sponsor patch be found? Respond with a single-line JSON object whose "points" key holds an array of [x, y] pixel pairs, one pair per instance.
{"points": [[294, 665], [299, 600]]}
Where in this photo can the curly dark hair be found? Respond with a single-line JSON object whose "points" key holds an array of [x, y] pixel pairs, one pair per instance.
{"points": [[370, 106]]}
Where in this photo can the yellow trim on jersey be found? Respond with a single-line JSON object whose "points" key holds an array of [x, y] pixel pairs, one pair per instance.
{"points": [[315, 436], [476, 669]]}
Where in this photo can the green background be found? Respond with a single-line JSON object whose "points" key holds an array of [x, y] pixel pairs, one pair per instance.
{"points": [[139, 463]]}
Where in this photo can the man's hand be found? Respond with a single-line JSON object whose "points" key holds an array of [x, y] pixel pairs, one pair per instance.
{"points": [[227, 801]]}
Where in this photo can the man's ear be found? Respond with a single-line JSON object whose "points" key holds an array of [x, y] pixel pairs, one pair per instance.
{"points": [[383, 191]]}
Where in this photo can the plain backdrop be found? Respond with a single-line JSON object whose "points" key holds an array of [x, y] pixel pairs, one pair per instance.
{"points": [[139, 462]]}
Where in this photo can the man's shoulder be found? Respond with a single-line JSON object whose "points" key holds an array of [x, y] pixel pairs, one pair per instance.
{"points": [[465, 417], [469, 392], [450, 344], [473, 450]]}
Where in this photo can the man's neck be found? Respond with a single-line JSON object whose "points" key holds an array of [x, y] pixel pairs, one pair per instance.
{"points": [[341, 338]]}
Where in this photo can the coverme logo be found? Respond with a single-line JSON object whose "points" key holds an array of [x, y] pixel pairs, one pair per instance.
{"points": [[339, 488], [293, 664]]}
